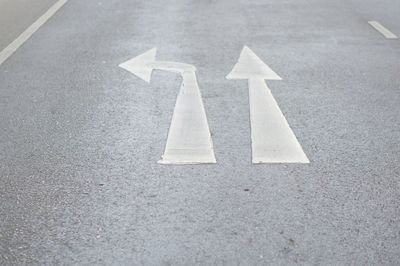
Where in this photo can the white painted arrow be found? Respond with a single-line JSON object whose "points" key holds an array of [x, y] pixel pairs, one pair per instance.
{"points": [[273, 141], [189, 139]]}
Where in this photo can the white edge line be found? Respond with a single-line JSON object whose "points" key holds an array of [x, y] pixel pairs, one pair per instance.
{"points": [[13, 47], [383, 30]]}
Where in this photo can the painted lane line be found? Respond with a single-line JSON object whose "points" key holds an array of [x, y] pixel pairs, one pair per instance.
{"points": [[384, 31], [189, 139], [273, 141], [13, 47]]}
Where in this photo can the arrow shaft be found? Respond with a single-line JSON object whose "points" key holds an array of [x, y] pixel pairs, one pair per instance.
{"points": [[273, 141], [189, 139]]}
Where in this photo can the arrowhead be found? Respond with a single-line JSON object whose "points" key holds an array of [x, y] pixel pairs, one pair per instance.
{"points": [[249, 66], [139, 65]]}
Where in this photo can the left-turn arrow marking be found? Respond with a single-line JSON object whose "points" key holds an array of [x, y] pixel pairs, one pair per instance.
{"points": [[189, 139]]}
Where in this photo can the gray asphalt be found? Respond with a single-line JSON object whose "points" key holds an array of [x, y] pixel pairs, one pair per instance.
{"points": [[80, 137], [17, 15]]}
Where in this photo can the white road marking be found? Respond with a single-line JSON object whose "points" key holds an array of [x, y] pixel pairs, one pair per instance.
{"points": [[12, 47], [273, 141], [384, 31], [189, 139]]}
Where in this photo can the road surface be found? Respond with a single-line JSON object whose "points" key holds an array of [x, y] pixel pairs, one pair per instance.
{"points": [[80, 137]]}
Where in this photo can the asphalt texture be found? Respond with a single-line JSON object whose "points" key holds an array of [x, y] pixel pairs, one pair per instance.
{"points": [[17, 15], [81, 137]]}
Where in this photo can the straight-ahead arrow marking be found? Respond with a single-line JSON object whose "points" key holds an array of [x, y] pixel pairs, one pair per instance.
{"points": [[189, 139], [273, 141]]}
